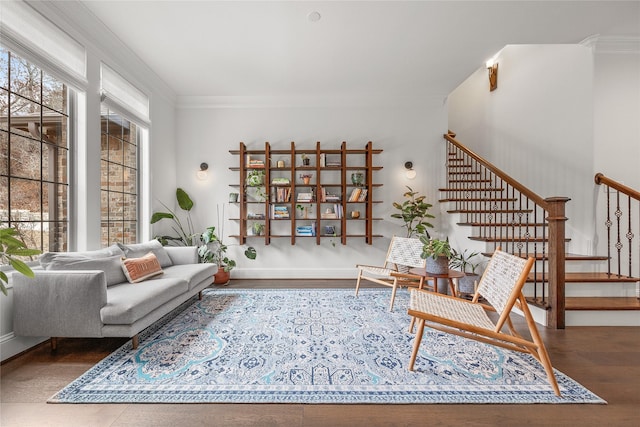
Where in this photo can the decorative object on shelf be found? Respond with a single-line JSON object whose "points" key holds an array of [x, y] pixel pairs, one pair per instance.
{"points": [[202, 173], [255, 178], [305, 159], [233, 197], [281, 164], [464, 262], [10, 248], [329, 230], [414, 212], [257, 228], [437, 253], [357, 178], [213, 250], [355, 214], [409, 173], [306, 178]]}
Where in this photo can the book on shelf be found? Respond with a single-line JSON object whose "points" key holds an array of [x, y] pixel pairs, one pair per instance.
{"points": [[282, 195], [253, 215], [279, 212], [280, 181], [358, 195], [306, 230], [305, 197], [333, 161], [332, 213]]}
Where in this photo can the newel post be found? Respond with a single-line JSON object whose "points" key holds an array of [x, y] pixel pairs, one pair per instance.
{"points": [[556, 219]]}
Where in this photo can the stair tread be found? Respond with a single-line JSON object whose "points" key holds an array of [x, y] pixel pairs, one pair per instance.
{"points": [[471, 189], [602, 303], [588, 278], [512, 239], [476, 199], [567, 256], [502, 224], [490, 211]]}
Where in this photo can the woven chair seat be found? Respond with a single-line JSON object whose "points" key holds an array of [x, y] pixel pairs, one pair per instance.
{"points": [[377, 271], [450, 308]]}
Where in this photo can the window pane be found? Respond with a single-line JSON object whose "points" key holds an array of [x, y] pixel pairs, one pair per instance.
{"points": [[115, 178], [116, 150], [25, 117], [4, 68], [4, 109], [54, 163], [104, 173], [54, 202], [4, 153], [130, 155], [104, 202], [54, 93], [25, 158], [25, 199], [129, 207], [115, 232], [127, 130], [130, 184], [115, 126], [55, 127], [130, 232], [57, 236], [30, 233], [25, 79], [4, 198]]}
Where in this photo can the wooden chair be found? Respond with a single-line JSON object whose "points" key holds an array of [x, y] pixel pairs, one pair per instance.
{"points": [[501, 286], [403, 253]]}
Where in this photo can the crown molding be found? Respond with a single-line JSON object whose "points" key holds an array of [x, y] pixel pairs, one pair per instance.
{"points": [[310, 101], [612, 44]]}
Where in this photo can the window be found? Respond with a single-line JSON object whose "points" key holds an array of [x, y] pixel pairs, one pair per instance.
{"points": [[34, 153], [119, 140]]}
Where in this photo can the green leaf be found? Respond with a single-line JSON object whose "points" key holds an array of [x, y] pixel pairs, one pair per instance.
{"points": [[184, 201], [157, 216], [251, 252], [2, 288], [22, 252], [21, 267]]}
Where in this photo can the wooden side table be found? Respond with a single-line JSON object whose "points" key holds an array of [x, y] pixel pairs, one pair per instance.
{"points": [[450, 276]]}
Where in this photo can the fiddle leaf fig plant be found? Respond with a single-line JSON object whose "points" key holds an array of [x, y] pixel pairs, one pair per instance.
{"points": [[12, 247], [414, 211]]}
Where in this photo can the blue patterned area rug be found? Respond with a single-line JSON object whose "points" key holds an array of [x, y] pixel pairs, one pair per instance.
{"points": [[309, 346]]}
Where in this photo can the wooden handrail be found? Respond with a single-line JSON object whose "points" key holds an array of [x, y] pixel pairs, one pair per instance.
{"points": [[515, 184], [602, 179], [514, 219]]}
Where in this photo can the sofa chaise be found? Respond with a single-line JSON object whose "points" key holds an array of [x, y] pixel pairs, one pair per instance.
{"points": [[90, 294]]}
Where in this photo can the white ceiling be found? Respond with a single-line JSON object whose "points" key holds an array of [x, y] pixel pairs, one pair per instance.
{"points": [[398, 48]]}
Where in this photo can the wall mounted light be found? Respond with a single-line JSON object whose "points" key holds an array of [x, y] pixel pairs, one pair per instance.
{"points": [[409, 173], [202, 173], [492, 66]]}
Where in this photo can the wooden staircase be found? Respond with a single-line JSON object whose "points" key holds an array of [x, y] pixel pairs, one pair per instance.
{"points": [[501, 212]]}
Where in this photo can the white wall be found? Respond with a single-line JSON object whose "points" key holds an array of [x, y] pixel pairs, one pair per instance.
{"points": [[537, 126], [208, 129]]}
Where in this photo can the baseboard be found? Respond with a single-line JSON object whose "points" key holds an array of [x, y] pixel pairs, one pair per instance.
{"points": [[10, 345], [294, 273]]}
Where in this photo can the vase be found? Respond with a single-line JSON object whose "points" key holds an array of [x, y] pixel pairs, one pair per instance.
{"points": [[221, 277], [357, 178], [439, 265], [466, 284]]}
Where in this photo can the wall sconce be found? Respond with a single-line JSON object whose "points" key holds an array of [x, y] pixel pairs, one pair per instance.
{"points": [[202, 173], [410, 173], [492, 66]]}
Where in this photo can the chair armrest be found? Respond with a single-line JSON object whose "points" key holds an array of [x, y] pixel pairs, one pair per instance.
{"points": [[183, 254], [59, 303]]}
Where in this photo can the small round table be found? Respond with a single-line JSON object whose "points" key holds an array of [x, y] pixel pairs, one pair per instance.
{"points": [[450, 275]]}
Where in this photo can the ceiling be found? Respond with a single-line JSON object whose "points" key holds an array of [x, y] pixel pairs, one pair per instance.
{"points": [[375, 48]]}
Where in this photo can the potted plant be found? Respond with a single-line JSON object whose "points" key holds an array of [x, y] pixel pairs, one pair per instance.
{"points": [[414, 211], [306, 177], [465, 263], [184, 237], [10, 248], [305, 159], [437, 253], [212, 249], [257, 228]]}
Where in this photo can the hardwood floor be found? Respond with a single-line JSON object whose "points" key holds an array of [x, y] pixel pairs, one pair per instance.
{"points": [[604, 359]]}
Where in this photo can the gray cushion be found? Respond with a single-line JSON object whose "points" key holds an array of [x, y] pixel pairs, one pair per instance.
{"points": [[112, 267], [64, 257], [192, 273], [139, 250]]}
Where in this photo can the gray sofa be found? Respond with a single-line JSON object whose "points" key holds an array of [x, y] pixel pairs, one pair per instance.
{"points": [[86, 294]]}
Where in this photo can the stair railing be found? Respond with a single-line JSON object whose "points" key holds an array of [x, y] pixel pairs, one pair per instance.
{"points": [[622, 203], [506, 213]]}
